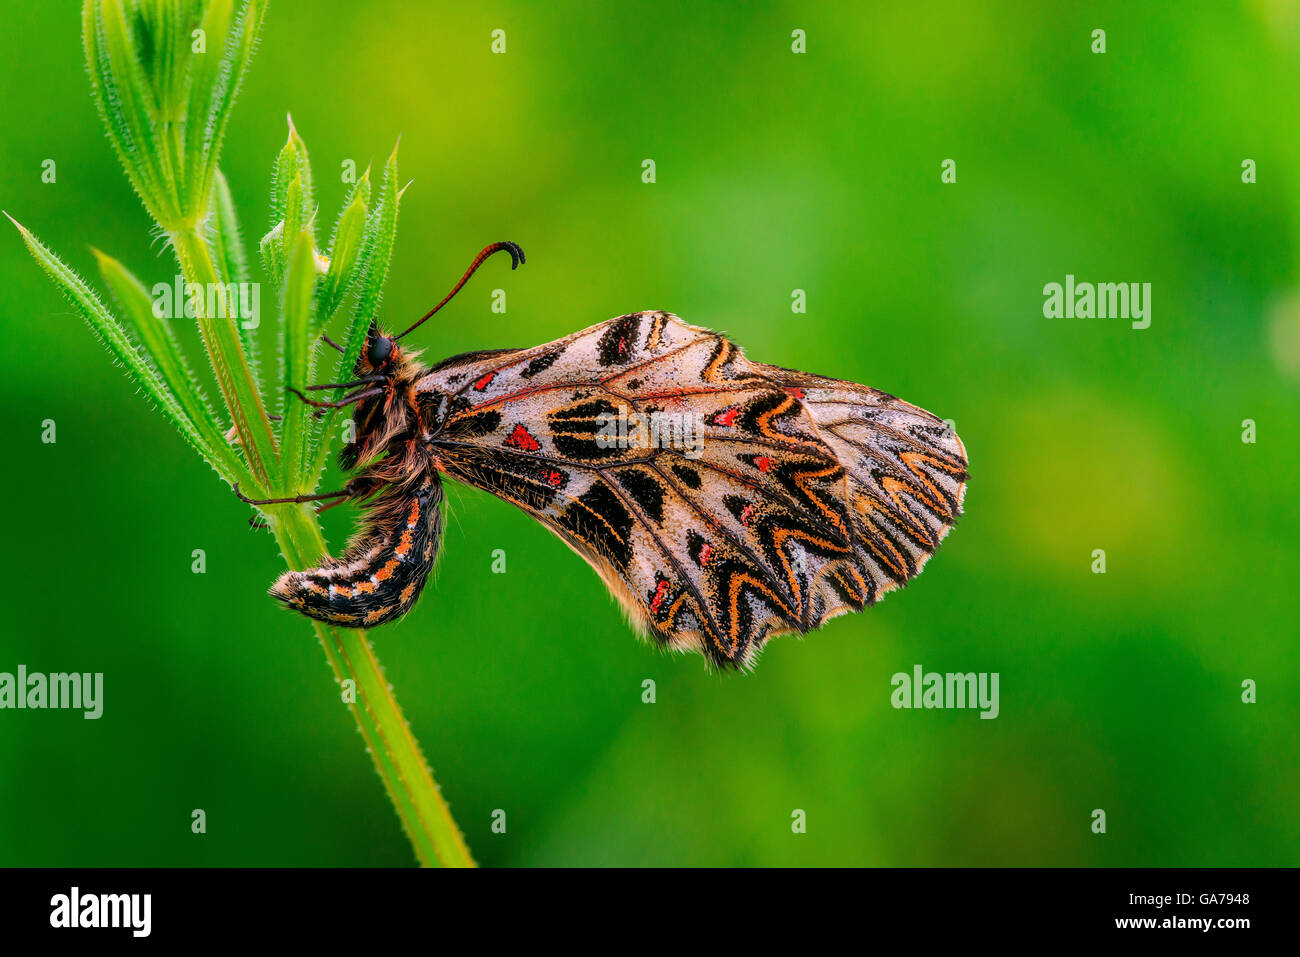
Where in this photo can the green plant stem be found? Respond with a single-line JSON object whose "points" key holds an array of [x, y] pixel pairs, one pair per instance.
{"points": [[406, 775], [234, 376]]}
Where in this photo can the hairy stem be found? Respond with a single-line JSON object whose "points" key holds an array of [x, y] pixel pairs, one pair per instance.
{"points": [[406, 776], [234, 376]]}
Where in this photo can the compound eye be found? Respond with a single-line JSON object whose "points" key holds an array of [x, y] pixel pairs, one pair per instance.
{"points": [[381, 347]]}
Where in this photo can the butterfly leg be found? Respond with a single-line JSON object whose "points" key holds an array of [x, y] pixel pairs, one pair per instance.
{"points": [[351, 490], [368, 380], [345, 401], [326, 508], [232, 433]]}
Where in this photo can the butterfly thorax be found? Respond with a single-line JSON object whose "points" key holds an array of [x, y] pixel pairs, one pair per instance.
{"points": [[385, 565], [387, 424]]}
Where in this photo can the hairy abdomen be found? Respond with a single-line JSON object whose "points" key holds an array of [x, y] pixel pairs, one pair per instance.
{"points": [[384, 568]]}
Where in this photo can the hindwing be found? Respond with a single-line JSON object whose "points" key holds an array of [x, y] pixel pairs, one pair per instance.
{"points": [[765, 502]]}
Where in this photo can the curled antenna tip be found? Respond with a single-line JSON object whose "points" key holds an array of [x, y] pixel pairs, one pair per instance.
{"points": [[516, 258]]}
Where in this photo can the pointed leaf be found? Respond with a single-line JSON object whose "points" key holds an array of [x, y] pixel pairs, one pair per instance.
{"points": [[292, 164], [138, 365], [271, 251], [226, 355], [238, 52], [232, 262], [345, 256], [377, 252], [382, 234], [203, 72], [160, 342], [126, 102], [299, 349]]}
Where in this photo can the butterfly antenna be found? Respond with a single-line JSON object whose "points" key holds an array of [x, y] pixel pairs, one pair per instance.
{"points": [[516, 258]]}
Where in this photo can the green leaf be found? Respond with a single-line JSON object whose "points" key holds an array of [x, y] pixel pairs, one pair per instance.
{"points": [[293, 219], [381, 236], [345, 250], [292, 164], [125, 99], [239, 42], [203, 73], [163, 36], [160, 343], [299, 350], [139, 366], [164, 104], [291, 205], [271, 251], [229, 364], [227, 239], [232, 261], [377, 252]]}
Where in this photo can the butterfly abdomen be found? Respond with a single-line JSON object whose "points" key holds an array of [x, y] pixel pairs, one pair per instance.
{"points": [[381, 574]]}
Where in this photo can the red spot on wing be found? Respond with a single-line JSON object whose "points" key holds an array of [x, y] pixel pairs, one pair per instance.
{"points": [[482, 383], [705, 554], [521, 438], [726, 418], [797, 393], [746, 514], [763, 463], [554, 478], [661, 592]]}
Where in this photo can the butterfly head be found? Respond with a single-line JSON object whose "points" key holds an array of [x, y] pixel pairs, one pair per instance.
{"points": [[381, 355], [379, 350]]}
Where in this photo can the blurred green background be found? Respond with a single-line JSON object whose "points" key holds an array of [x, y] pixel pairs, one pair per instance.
{"points": [[775, 171]]}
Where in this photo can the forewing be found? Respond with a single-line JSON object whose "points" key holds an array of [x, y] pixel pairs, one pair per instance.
{"points": [[766, 505]]}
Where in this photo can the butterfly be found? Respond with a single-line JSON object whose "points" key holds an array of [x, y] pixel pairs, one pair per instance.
{"points": [[765, 502]]}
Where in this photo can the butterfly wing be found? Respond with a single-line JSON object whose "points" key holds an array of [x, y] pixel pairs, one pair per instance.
{"points": [[768, 502]]}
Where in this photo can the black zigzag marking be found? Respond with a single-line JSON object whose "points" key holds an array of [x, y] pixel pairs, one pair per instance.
{"points": [[617, 343], [541, 363], [575, 431], [645, 491], [600, 519], [690, 478]]}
